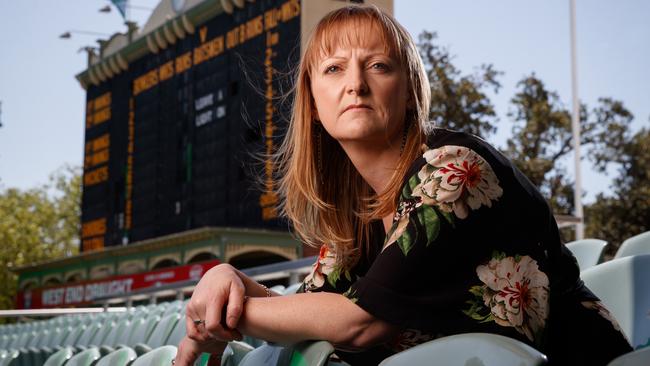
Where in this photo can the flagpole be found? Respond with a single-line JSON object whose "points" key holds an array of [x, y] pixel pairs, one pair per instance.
{"points": [[575, 126]]}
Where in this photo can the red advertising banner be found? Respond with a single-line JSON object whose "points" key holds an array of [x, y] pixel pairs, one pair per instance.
{"points": [[87, 291]]}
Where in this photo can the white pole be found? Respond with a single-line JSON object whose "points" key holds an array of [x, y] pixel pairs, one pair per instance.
{"points": [[575, 126]]}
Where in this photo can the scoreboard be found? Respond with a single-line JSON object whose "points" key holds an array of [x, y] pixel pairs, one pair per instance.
{"points": [[174, 143]]}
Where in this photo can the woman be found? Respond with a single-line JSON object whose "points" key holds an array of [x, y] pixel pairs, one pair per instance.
{"points": [[424, 232]]}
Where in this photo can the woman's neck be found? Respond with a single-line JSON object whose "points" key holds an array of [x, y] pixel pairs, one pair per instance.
{"points": [[375, 164]]}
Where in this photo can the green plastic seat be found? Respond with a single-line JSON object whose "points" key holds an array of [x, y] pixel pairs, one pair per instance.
{"points": [[640, 357], [60, 357], [85, 358], [120, 357], [302, 354], [588, 252], [177, 333], [9, 357], [141, 329], [235, 352], [159, 356], [636, 245], [469, 349], [159, 335], [623, 286]]}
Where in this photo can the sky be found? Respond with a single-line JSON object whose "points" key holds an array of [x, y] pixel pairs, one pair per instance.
{"points": [[43, 104]]}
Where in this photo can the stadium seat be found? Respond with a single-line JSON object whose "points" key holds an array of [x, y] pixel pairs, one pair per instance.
{"points": [[622, 284], [159, 356], [59, 357], [120, 357], [303, 354], [161, 332], [640, 357], [235, 352], [588, 252], [639, 244], [469, 349], [9, 357], [85, 358], [177, 333]]}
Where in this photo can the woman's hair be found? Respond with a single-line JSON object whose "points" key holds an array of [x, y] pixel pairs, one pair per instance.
{"points": [[321, 192]]}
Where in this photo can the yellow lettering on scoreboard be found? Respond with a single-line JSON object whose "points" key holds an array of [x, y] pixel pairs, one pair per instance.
{"points": [[166, 71], [98, 110], [97, 158], [96, 176], [93, 228], [183, 62], [208, 50], [91, 244], [102, 101], [100, 143], [146, 81]]}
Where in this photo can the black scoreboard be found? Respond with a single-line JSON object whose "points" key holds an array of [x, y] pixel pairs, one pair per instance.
{"points": [[174, 143]]}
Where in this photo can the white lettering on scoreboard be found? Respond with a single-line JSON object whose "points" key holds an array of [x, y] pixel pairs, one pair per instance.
{"points": [[89, 292]]}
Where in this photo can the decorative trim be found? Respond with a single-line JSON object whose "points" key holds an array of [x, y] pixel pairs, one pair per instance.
{"points": [[120, 61], [151, 44], [106, 69], [227, 6], [187, 24], [178, 29], [239, 3], [113, 65], [160, 40], [169, 35], [99, 73]]}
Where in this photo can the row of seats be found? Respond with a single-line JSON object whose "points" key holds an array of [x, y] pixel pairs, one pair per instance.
{"points": [[589, 252], [83, 339]]}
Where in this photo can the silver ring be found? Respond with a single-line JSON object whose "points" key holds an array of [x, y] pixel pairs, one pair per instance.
{"points": [[198, 321], [173, 361]]}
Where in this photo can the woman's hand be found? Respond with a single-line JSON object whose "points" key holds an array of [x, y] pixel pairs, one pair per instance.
{"points": [[220, 291], [190, 350]]}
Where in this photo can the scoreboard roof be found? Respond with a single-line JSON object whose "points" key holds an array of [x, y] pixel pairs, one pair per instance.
{"points": [[170, 21]]}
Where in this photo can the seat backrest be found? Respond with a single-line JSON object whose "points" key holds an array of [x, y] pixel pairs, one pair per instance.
{"points": [[141, 329], [162, 330], [60, 357], [622, 284], [121, 357], [74, 334], [88, 334], [85, 358], [587, 251], [178, 332], [638, 244], [469, 349], [173, 308], [9, 357], [102, 333], [640, 357], [235, 352], [21, 340], [117, 332], [159, 356]]}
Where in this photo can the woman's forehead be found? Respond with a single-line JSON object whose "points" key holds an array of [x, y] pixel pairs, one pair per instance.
{"points": [[353, 34]]}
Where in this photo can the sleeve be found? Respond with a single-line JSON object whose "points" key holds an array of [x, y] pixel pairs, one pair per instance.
{"points": [[437, 267]]}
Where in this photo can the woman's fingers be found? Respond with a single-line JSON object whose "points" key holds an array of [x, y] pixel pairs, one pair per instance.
{"points": [[235, 305], [188, 352], [214, 323], [195, 321]]}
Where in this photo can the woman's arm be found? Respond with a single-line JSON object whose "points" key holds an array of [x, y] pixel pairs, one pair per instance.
{"points": [[313, 316]]}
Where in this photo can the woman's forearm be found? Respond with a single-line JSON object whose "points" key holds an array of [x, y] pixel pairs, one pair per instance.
{"points": [[312, 316]]}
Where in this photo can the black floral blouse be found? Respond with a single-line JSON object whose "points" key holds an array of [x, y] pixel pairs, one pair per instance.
{"points": [[473, 247]]}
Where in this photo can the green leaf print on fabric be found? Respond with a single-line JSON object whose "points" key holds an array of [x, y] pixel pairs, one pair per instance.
{"points": [[515, 293], [405, 243], [351, 295]]}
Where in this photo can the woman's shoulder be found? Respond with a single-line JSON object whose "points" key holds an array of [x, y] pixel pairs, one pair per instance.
{"points": [[442, 142]]}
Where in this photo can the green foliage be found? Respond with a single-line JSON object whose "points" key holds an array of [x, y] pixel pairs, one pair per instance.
{"points": [[627, 212], [38, 224], [458, 102]]}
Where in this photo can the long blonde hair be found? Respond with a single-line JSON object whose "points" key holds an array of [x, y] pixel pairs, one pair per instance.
{"points": [[325, 198]]}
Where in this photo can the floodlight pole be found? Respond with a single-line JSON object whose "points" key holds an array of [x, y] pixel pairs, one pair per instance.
{"points": [[575, 126]]}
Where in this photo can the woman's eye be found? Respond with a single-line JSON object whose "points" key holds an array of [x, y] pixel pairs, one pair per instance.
{"points": [[331, 69], [380, 66]]}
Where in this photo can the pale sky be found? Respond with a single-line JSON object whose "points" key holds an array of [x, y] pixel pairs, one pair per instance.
{"points": [[43, 104]]}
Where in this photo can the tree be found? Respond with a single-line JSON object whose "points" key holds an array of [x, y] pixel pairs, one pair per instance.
{"points": [[542, 137], [458, 102], [38, 224], [626, 212]]}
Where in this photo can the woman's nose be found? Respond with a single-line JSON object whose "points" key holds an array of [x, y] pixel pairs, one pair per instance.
{"points": [[356, 81]]}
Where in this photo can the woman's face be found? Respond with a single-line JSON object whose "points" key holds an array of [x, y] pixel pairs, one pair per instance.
{"points": [[360, 92]]}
